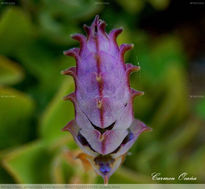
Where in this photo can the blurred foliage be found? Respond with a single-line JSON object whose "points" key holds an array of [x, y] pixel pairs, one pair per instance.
{"points": [[10, 73], [33, 149]]}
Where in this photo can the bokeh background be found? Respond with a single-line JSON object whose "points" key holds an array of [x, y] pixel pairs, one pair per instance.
{"points": [[169, 47]]}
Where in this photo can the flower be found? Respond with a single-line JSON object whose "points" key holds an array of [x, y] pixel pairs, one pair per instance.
{"points": [[104, 125]]}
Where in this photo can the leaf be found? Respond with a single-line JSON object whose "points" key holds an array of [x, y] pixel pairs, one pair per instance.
{"points": [[55, 32], [5, 177], [16, 112], [71, 10], [146, 157], [15, 30], [184, 135], [10, 72], [35, 162], [40, 62], [174, 100], [194, 164], [156, 58], [58, 113], [29, 164]]}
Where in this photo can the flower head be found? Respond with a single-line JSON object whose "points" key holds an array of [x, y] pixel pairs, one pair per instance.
{"points": [[104, 125]]}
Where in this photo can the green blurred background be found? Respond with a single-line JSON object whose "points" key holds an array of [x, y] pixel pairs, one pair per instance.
{"points": [[169, 47]]}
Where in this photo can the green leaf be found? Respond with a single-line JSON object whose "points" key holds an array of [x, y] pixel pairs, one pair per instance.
{"points": [[40, 62], [194, 163], [37, 162], [58, 113], [71, 10], [10, 72], [29, 164], [156, 58], [15, 30], [55, 32], [5, 177], [174, 106], [16, 112], [184, 135]]}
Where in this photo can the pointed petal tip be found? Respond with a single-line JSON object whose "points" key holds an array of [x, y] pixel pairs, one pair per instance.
{"points": [[115, 33], [63, 72], [121, 28], [136, 93], [74, 52], [149, 129], [124, 48], [96, 18], [102, 26], [79, 37], [71, 52], [144, 127], [86, 28], [64, 129], [95, 21], [67, 127], [65, 52], [74, 36], [70, 71], [141, 93], [131, 68], [65, 98], [70, 97]]}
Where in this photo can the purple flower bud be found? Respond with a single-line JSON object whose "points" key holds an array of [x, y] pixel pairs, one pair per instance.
{"points": [[104, 125]]}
